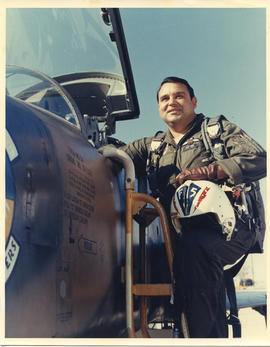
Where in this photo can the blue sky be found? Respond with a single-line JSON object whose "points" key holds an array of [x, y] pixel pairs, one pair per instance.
{"points": [[220, 51]]}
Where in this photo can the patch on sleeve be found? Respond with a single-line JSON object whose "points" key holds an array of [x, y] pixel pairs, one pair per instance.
{"points": [[244, 141]]}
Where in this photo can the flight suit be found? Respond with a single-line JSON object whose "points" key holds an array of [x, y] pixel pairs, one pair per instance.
{"points": [[201, 252]]}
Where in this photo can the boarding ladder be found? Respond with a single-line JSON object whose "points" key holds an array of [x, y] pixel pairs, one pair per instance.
{"points": [[134, 203]]}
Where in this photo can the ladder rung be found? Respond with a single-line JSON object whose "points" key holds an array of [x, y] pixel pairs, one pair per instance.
{"points": [[152, 289]]}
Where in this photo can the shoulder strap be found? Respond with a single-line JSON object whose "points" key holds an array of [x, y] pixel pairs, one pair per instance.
{"points": [[157, 147], [206, 139], [157, 141], [212, 129]]}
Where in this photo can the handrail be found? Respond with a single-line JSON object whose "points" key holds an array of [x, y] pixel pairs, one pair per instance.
{"points": [[131, 198], [124, 158], [164, 222]]}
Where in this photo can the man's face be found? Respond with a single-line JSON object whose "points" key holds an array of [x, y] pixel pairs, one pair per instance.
{"points": [[176, 108]]}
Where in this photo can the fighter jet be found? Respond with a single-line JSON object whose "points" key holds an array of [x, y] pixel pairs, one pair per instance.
{"points": [[72, 269]]}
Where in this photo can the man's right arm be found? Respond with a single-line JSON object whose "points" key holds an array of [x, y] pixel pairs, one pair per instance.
{"points": [[138, 151]]}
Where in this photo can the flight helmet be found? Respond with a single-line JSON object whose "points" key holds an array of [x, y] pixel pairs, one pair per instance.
{"points": [[195, 198]]}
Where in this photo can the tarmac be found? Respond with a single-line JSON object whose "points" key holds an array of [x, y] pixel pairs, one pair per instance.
{"points": [[252, 323]]}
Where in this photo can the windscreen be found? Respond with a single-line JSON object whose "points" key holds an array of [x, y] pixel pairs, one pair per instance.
{"points": [[59, 41]]}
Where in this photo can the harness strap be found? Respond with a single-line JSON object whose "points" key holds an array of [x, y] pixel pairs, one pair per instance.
{"points": [[156, 149], [214, 145], [206, 139]]}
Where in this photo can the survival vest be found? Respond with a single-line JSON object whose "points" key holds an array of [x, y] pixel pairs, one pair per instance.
{"points": [[246, 198]]}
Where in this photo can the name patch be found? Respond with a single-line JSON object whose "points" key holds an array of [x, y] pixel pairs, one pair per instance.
{"points": [[190, 144]]}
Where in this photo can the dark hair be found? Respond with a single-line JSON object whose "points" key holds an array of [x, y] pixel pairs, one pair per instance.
{"points": [[177, 80]]}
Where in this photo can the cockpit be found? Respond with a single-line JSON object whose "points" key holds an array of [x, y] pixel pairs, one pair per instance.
{"points": [[80, 73]]}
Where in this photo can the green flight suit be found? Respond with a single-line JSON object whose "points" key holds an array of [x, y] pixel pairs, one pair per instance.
{"points": [[201, 247]]}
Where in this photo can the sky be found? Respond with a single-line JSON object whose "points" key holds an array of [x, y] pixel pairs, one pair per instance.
{"points": [[220, 51]]}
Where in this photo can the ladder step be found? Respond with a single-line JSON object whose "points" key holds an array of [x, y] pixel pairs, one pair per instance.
{"points": [[162, 289]]}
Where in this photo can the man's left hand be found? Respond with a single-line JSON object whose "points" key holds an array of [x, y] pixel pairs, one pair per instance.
{"points": [[212, 172]]}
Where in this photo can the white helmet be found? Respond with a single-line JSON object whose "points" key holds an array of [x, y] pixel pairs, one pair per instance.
{"points": [[194, 198]]}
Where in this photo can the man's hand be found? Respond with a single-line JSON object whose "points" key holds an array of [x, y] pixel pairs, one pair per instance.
{"points": [[212, 172]]}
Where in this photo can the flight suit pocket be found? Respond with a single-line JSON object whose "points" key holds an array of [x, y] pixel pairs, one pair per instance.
{"points": [[192, 154], [167, 169]]}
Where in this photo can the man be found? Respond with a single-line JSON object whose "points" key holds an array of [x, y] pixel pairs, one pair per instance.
{"points": [[201, 251]]}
